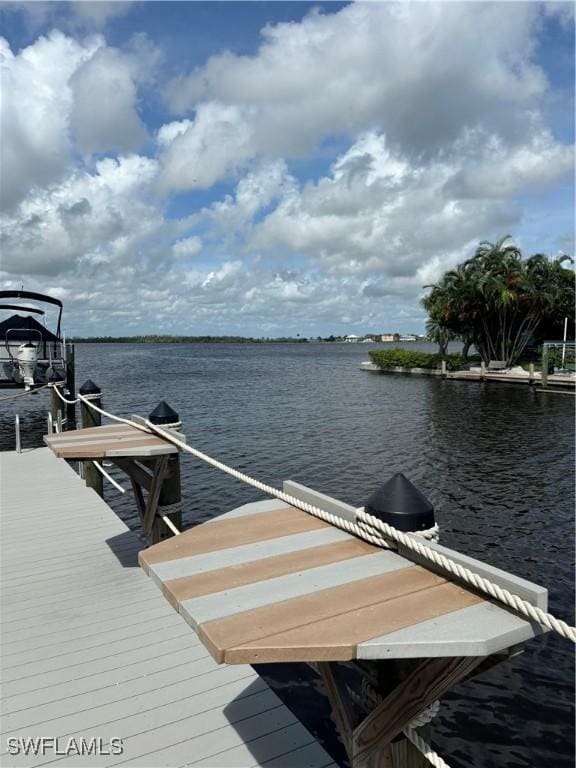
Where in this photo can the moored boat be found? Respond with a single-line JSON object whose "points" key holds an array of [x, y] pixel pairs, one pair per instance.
{"points": [[29, 351]]}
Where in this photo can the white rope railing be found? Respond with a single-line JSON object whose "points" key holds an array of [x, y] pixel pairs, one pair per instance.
{"points": [[425, 748], [367, 527], [376, 531], [108, 477], [171, 525]]}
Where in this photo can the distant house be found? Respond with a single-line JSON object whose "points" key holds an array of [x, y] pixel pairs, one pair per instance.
{"points": [[351, 338], [390, 337], [408, 337]]}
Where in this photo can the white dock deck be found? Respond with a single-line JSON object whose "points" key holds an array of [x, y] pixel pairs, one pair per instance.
{"points": [[91, 649]]}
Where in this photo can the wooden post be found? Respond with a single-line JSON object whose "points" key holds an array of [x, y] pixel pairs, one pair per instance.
{"points": [[57, 407], [443, 369], [401, 504], [91, 418], [482, 370], [531, 373], [170, 496], [70, 386], [406, 688], [544, 367], [388, 696]]}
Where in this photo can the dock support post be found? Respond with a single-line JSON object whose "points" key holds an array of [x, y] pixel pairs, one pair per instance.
{"points": [[170, 497], [393, 693], [443, 369], [91, 418], [544, 367], [482, 370], [531, 373], [56, 404], [70, 385]]}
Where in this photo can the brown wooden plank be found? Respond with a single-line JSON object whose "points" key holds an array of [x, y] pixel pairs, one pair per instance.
{"points": [[91, 432], [134, 472], [104, 440], [99, 450], [225, 534], [329, 624], [209, 582], [109, 440]]}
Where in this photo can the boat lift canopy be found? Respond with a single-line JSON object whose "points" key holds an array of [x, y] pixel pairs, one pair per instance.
{"points": [[35, 297]]}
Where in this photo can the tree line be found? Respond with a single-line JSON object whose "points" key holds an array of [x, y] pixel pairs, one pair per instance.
{"points": [[167, 339]]}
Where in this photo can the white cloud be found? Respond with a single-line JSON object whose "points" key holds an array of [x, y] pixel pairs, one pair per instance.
{"points": [[58, 93], [89, 220], [36, 103], [169, 131], [107, 80], [376, 212], [79, 15], [98, 14], [499, 172], [438, 139], [187, 247], [201, 152], [416, 70]]}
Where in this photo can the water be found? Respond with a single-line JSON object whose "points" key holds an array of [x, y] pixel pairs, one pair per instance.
{"points": [[496, 461]]}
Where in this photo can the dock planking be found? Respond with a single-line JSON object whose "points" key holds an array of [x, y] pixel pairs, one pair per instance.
{"points": [[317, 594], [91, 649]]}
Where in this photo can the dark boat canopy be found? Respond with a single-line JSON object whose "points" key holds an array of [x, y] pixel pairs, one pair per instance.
{"points": [[35, 297], [23, 309], [25, 329]]}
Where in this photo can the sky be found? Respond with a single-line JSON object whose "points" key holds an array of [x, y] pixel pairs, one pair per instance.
{"points": [[276, 168]]}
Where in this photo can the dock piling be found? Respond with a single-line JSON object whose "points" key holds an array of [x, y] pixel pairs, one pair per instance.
{"points": [[17, 431], [371, 725], [544, 366], [91, 418], [56, 404], [70, 384], [170, 494]]}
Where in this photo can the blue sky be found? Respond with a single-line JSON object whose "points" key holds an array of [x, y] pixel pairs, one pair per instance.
{"points": [[272, 168]]}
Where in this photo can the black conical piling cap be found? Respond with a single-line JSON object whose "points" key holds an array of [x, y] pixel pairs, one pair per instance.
{"points": [[399, 503], [89, 388], [163, 414]]}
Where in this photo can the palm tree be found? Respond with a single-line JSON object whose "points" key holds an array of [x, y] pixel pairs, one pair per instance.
{"points": [[497, 301]]}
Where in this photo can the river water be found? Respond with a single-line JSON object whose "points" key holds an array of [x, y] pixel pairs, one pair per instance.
{"points": [[497, 462]]}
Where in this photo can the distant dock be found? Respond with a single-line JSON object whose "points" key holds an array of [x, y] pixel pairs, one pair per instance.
{"points": [[555, 379]]}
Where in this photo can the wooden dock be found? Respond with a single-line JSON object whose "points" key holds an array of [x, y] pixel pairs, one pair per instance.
{"points": [[554, 379], [91, 649]]}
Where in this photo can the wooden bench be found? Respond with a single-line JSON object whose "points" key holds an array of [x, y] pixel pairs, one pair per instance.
{"points": [[268, 582]]}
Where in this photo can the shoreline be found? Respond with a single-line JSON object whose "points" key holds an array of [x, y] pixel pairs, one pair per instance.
{"points": [[475, 375]]}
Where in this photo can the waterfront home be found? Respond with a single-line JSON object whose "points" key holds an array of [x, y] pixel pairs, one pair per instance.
{"points": [[351, 338]]}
